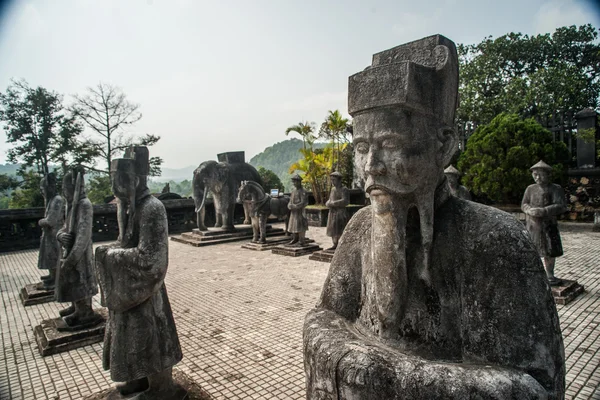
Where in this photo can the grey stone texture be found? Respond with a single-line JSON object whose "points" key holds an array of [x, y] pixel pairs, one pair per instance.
{"points": [[337, 219], [239, 316], [141, 342], [456, 189], [50, 250], [428, 295], [298, 223]]}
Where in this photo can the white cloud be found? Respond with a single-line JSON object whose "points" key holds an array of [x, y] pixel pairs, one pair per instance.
{"points": [[557, 13]]}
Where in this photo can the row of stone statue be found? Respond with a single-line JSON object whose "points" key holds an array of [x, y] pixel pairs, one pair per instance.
{"points": [[140, 343], [428, 296]]}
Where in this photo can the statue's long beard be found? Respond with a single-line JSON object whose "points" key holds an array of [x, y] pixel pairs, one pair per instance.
{"points": [[388, 254]]}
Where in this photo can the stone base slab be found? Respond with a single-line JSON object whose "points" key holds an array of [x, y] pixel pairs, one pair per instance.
{"points": [[293, 251], [566, 292], [199, 238], [187, 389], [31, 295], [271, 243], [323, 255], [52, 341]]}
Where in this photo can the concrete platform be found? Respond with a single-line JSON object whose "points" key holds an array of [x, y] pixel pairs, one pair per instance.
{"points": [[296, 251], [271, 242], [31, 294], [323, 256], [52, 338], [566, 292], [198, 238]]}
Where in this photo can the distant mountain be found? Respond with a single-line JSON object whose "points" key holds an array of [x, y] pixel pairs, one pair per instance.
{"points": [[9, 169], [176, 174], [279, 157]]}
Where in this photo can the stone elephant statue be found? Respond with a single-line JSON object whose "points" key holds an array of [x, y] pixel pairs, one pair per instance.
{"points": [[223, 180]]}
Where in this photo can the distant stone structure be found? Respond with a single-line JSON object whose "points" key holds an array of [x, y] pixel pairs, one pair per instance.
{"points": [[428, 296], [53, 220], [456, 189], [141, 343], [338, 215], [542, 203]]}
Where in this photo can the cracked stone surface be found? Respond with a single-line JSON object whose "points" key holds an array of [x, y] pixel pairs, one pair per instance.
{"points": [[239, 314]]}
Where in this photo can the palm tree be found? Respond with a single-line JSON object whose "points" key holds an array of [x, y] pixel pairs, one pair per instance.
{"points": [[304, 129], [334, 128]]}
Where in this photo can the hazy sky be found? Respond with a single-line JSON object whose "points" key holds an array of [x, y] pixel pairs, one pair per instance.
{"points": [[233, 75]]}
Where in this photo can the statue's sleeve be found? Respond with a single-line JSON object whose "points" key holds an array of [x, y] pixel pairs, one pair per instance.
{"points": [[509, 317], [559, 204], [525, 203], [56, 213], [82, 233], [342, 288], [132, 275]]}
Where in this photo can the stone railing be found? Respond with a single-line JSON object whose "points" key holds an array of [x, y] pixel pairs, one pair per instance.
{"points": [[19, 228]]}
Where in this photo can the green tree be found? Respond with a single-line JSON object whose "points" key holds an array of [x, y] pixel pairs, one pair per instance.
{"points": [[270, 180], [496, 161], [315, 166], [335, 129], [40, 129], [529, 75], [99, 188], [106, 111], [28, 194]]}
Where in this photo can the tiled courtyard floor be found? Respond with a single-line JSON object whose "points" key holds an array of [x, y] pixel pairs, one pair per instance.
{"points": [[239, 314]]}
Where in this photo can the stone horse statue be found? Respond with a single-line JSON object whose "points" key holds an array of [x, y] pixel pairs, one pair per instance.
{"points": [[263, 206]]}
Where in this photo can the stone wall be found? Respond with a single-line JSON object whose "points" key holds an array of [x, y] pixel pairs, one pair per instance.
{"points": [[19, 228]]}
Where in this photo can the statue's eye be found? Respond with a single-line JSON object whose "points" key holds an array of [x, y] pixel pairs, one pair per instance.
{"points": [[389, 144], [362, 147]]}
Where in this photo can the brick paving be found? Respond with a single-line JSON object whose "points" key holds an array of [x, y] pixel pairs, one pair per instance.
{"points": [[239, 314]]}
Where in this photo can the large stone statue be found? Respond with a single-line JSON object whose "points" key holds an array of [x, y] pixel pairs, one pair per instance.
{"points": [[75, 276], [542, 203], [222, 179], [338, 215], [456, 189], [298, 223], [53, 220], [141, 343], [428, 296]]}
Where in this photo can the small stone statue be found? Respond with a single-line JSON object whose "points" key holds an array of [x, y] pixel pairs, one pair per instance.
{"points": [[338, 215], [53, 220], [456, 189], [75, 277], [298, 224], [542, 203], [166, 188], [141, 343], [428, 296]]}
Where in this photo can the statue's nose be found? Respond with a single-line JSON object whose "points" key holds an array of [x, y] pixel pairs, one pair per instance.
{"points": [[374, 165]]}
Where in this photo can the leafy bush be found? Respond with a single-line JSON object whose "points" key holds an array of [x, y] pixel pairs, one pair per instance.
{"points": [[270, 179], [498, 156]]}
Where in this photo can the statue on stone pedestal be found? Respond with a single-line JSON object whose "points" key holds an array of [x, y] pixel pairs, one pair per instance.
{"points": [[338, 215], [75, 276], [429, 296], [141, 343], [456, 189], [53, 220], [298, 223], [542, 203]]}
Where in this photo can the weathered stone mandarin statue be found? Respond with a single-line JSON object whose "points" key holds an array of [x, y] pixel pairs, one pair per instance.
{"points": [[338, 215], [75, 276], [542, 203], [456, 189], [141, 343], [428, 296], [53, 220], [298, 223]]}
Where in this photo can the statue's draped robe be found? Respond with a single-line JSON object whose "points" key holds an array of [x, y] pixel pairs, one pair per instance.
{"points": [[141, 337], [488, 304], [544, 230], [338, 215], [50, 249], [298, 221], [75, 275]]}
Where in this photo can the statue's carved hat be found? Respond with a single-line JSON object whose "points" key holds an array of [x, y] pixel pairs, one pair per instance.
{"points": [[336, 174], [541, 165], [296, 177], [136, 160], [452, 170], [421, 76]]}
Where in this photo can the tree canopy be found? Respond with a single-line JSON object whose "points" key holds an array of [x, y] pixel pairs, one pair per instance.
{"points": [[498, 156], [529, 75], [270, 179]]}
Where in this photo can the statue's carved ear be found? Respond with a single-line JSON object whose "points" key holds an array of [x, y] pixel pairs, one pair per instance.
{"points": [[448, 145]]}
